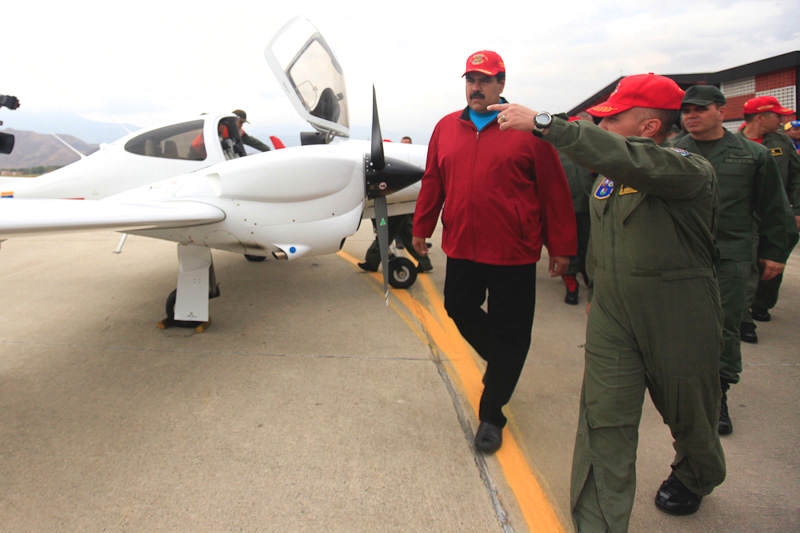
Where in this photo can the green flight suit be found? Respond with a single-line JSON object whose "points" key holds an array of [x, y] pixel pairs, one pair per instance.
{"points": [[580, 182], [655, 321], [764, 293], [750, 196]]}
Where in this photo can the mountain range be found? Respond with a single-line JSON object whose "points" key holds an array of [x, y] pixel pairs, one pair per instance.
{"points": [[32, 149]]}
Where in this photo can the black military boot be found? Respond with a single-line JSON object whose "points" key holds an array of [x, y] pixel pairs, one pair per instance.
{"points": [[760, 314], [725, 425], [369, 267], [747, 332], [674, 498]]}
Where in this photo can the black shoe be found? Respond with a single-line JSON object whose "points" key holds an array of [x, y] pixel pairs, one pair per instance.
{"points": [[572, 297], [674, 498], [747, 332], [762, 315], [368, 267], [488, 438], [424, 267], [725, 426]]}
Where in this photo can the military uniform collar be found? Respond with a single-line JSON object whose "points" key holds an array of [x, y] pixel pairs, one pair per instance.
{"points": [[726, 141]]}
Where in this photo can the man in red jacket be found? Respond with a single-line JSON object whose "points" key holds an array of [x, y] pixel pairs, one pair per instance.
{"points": [[504, 195]]}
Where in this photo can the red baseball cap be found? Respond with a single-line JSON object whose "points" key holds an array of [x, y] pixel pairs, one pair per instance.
{"points": [[641, 90], [485, 62], [762, 104]]}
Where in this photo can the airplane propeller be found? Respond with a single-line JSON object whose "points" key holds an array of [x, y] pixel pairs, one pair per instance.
{"points": [[385, 175]]}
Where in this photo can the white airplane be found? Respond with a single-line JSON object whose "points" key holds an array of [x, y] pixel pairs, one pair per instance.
{"points": [[185, 183]]}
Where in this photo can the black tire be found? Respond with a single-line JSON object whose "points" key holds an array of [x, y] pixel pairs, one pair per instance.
{"points": [[170, 308], [255, 258], [402, 273], [170, 305]]}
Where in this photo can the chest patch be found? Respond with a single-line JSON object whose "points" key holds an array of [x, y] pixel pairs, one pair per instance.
{"points": [[605, 189], [776, 151], [624, 189]]}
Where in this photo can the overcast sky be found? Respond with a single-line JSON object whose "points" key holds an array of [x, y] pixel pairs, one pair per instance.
{"points": [[148, 61]]}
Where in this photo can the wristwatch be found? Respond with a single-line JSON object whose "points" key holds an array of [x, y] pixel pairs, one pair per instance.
{"points": [[542, 120]]}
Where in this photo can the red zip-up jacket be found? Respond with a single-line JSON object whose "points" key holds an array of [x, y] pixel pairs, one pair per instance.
{"points": [[504, 194]]}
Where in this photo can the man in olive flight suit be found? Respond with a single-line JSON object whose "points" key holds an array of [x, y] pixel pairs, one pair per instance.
{"points": [[762, 119], [655, 319], [750, 196]]}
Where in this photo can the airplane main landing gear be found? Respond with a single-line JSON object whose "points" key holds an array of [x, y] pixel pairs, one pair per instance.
{"points": [[197, 284], [198, 325]]}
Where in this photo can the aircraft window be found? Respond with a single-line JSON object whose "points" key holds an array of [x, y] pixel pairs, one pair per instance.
{"points": [[319, 83], [178, 141]]}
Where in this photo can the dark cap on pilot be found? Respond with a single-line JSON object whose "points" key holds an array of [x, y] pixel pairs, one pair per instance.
{"points": [[241, 114], [703, 95]]}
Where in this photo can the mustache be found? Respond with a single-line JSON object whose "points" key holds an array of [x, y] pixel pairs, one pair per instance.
{"points": [[477, 94]]}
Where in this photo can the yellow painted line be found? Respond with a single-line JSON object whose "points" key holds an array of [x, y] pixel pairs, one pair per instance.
{"points": [[536, 507]]}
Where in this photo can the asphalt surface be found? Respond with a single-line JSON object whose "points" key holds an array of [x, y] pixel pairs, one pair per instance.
{"points": [[310, 405]]}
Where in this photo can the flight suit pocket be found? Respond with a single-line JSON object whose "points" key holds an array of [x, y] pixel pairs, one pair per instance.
{"points": [[687, 273], [613, 389], [674, 274]]}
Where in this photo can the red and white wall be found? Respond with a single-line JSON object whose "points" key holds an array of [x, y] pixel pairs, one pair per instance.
{"points": [[782, 84]]}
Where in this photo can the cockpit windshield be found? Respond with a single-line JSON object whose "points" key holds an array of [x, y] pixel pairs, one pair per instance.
{"points": [[178, 141]]}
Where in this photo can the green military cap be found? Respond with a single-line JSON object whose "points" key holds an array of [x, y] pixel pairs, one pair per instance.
{"points": [[703, 95]]}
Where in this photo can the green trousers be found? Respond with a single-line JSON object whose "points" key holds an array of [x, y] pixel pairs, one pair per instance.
{"points": [[735, 284], [659, 334], [577, 263], [399, 227]]}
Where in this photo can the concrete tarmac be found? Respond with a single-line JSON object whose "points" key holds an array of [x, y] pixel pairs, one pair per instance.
{"points": [[309, 405]]}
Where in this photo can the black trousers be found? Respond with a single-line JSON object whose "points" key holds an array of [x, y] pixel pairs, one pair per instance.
{"points": [[501, 335]]}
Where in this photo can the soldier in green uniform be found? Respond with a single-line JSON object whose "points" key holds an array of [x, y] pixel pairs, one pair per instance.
{"points": [[655, 320], [580, 180], [751, 196], [762, 119]]}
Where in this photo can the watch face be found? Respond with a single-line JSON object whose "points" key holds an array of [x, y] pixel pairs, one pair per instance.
{"points": [[543, 120]]}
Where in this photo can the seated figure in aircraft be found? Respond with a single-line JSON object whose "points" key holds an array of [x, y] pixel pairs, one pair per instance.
{"points": [[198, 149], [246, 139]]}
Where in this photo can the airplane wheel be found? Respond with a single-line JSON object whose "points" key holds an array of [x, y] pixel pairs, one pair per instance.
{"points": [[402, 273], [255, 258], [170, 305], [170, 320]]}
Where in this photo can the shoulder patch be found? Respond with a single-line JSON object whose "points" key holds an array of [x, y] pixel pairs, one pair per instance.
{"points": [[776, 151], [605, 189], [681, 151]]}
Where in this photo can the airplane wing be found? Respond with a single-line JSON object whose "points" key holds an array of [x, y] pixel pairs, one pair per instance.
{"points": [[29, 216]]}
